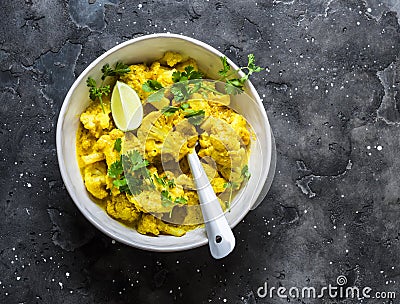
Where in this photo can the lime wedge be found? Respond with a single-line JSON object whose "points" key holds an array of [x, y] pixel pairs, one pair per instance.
{"points": [[126, 107]]}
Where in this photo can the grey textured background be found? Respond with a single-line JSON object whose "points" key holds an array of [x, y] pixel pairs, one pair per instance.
{"points": [[331, 90]]}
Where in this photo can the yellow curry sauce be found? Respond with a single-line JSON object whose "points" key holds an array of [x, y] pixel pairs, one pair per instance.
{"points": [[224, 143]]}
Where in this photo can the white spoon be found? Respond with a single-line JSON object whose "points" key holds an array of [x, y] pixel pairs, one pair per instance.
{"points": [[220, 237]]}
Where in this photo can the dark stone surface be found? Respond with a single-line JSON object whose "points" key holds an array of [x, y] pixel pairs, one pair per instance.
{"points": [[331, 90]]}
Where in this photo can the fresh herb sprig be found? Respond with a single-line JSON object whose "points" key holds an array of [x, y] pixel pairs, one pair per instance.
{"points": [[152, 86], [235, 85], [118, 144], [116, 171], [195, 117], [164, 181], [166, 199], [135, 173], [96, 92], [188, 74], [120, 69]]}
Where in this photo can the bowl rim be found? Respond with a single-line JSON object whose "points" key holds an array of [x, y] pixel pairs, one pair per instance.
{"points": [[59, 142]]}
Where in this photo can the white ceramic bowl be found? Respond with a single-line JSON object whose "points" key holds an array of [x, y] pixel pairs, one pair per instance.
{"points": [[146, 49]]}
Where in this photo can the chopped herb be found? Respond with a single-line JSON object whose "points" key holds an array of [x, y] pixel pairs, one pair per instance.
{"points": [[184, 106], [116, 169], [98, 92], [189, 74], [136, 161], [151, 86], [225, 67], [164, 181], [181, 200], [120, 69], [159, 180], [95, 92], [117, 144], [169, 110], [245, 172], [230, 186], [166, 199], [136, 172], [195, 117], [157, 96], [171, 183], [119, 182], [132, 178], [235, 86]]}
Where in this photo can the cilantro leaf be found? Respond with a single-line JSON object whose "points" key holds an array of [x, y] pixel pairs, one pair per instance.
{"points": [[169, 110], [116, 169], [225, 67], [120, 69], [151, 86], [195, 117], [245, 172], [159, 180], [188, 74], [234, 86], [106, 70], [180, 200], [136, 161], [157, 96], [95, 92], [117, 144], [166, 199], [90, 82], [171, 183]]}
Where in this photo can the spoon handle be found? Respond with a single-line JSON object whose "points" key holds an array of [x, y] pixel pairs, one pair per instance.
{"points": [[220, 237]]}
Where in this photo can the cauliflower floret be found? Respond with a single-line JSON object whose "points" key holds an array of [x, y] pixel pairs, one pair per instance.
{"points": [[171, 58], [157, 133], [119, 207], [95, 120], [148, 224], [190, 62], [92, 158], [95, 179], [105, 144], [223, 135]]}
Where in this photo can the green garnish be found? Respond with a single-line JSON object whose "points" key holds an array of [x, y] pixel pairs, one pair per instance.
{"points": [[180, 200], [235, 85], [152, 86], [135, 174], [136, 161], [164, 181], [169, 110], [98, 92], [95, 92], [166, 199], [120, 69], [189, 74], [116, 169], [195, 117], [231, 186], [245, 172], [117, 144]]}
